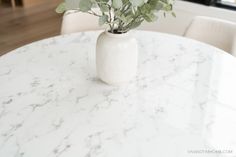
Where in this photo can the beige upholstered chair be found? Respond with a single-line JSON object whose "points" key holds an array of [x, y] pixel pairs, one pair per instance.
{"points": [[74, 21], [217, 32]]}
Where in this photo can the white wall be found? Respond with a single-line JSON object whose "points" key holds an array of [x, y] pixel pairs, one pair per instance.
{"points": [[185, 11]]}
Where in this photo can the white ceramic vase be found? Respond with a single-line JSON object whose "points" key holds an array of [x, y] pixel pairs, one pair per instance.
{"points": [[116, 58]]}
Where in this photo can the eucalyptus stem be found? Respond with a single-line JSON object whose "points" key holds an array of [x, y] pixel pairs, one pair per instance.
{"points": [[110, 19], [93, 13]]}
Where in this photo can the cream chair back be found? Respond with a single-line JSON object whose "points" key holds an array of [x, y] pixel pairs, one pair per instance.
{"points": [[217, 32], [74, 21]]}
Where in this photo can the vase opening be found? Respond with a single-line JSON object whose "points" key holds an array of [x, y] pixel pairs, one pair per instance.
{"points": [[116, 31], [117, 35]]}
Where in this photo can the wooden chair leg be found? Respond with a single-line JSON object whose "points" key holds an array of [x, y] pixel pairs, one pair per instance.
{"points": [[13, 4]]}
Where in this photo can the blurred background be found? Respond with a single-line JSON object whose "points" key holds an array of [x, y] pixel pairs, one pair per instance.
{"points": [[25, 21]]}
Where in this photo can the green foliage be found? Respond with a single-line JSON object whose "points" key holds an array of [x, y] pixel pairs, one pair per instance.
{"points": [[123, 15], [85, 5], [117, 4], [137, 3], [103, 19], [61, 8]]}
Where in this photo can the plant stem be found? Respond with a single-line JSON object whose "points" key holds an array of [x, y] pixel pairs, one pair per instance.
{"points": [[93, 13], [123, 11], [110, 19]]}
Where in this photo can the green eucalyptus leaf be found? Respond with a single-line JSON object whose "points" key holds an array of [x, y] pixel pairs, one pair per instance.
{"points": [[125, 1], [118, 13], [61, 8], [150, 17], [164, 1], [117, 4], [173, 14], [135, 24], [159, 6], [126, 19], [102, 1], [168, 7], [104, 8], [153, 4], [103, 19], [85, 5], [137, 3], [146, 8]]}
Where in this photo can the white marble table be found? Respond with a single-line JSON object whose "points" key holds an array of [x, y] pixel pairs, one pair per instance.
{"points": [[182, 103]]}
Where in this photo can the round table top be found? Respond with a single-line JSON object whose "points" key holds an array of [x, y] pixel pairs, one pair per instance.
{"points": [[181, 103]]}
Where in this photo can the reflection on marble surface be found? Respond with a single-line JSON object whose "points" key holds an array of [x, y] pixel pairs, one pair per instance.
{"points": [[181, 104]]}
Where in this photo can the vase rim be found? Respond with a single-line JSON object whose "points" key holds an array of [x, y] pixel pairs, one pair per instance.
{"points": [[116, 35]]}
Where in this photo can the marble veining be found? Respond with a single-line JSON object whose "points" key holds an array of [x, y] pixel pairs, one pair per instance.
{"points": [[182, 101]]}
